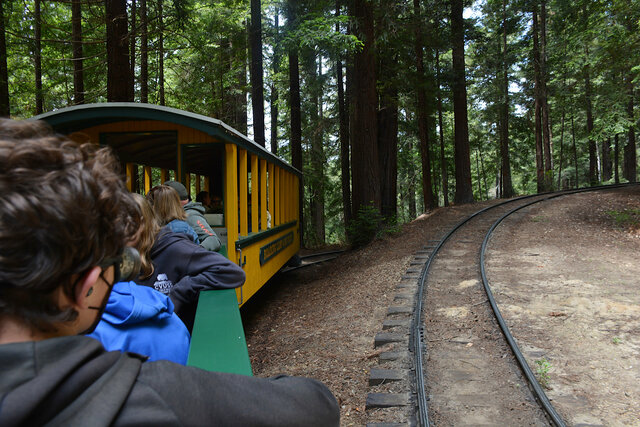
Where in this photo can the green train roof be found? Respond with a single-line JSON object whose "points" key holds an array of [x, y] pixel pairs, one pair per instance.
{"points": [[72, 119]]}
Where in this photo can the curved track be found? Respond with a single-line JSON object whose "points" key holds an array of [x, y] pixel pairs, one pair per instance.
{"points": [[450, 374]]}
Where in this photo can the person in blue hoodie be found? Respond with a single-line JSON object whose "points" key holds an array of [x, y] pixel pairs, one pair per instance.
{"points": [[141, 320]]}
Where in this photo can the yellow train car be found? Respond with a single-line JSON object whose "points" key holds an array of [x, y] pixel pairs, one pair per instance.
{"points": [[259, 225]]}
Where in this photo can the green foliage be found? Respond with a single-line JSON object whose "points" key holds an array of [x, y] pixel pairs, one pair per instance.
{"points": [[369, 225], [542, 372], [627, 218]]}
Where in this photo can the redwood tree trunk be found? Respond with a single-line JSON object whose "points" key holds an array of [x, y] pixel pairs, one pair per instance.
{"points": [[344, 138], [5, 110], [629, 167], [464, 191], [76, 43], [538, 105], [546, 120], [296, 118], [423, 128], [119, 81], [257, 84], [144, 53], [274, 87], [37, 56], [160, 55], [364, 155], [505, 170], [593, 161], [443, 161]]}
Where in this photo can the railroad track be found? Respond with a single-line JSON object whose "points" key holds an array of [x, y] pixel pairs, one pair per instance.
{"points": [[314, 259], [455, 363]]}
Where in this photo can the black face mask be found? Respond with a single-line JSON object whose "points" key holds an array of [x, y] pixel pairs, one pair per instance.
{"points": [[126, 267]]}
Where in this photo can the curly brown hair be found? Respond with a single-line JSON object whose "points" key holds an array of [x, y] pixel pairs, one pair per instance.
{"points": [[63, 208]]}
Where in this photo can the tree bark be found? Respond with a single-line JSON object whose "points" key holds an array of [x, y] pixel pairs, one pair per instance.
{"points": [[160, 55], [296, 118], [37, 56], [274, 86], [388, 148], [593, 162], [464, 191], [505, 169], [76, 43], [616, 161], [144, 53], [629, 167], [257, 84], [423, 129], [343, 116], [546, 123], [538, 104], [119, 81], [5, 110], [364, 155], [132, 44], [606, 159], [443, 160]]}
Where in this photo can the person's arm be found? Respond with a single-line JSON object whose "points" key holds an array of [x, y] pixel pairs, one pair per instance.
{"points": [[197, 397], [208, 238], [204, 270]]}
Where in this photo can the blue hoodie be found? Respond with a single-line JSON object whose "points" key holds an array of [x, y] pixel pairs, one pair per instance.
{"points": [[140, 319]]}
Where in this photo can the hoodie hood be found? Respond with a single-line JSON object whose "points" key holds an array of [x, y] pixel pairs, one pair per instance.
{"points": [[195, 206], [131, 304], [68, 381], [165, 238]]}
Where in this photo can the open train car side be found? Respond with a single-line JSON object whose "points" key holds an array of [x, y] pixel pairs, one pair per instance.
{"points": [[259, 225]]}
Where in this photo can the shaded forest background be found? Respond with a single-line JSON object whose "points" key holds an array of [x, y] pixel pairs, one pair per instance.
{"points": [[390, 108]]}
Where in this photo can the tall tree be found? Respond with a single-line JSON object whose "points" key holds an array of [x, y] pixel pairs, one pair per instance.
{"points": [[544, 103], [464, 190], [161, 94], [540, 178], [76, 43], [144, 53], [294, 106], [343, 120], [364, 149], [443, 160], [119, 79], [423, 125], [257, 84], [5, 111], [37, 55], [505, 169], [275, 63]]}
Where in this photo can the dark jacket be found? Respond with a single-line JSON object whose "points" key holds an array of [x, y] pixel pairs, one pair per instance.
{"points": [[195, 218], [182, 269], [72, 381]]}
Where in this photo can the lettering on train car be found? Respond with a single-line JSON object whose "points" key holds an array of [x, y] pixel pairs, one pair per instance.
{"points": [[271, 249]]}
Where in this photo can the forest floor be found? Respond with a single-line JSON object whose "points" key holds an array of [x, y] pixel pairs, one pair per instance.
{"points": [[565, 275]]}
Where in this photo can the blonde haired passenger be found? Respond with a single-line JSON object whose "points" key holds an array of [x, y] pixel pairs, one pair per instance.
{"points": [[168, 209]]}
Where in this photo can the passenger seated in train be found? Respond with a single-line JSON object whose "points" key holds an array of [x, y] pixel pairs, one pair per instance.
{"points": [[166, 205], [65, 220], [174, 265], [195, 217]]}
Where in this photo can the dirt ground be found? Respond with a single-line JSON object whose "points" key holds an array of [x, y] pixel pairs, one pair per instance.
{"points": [[565, 276]]}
